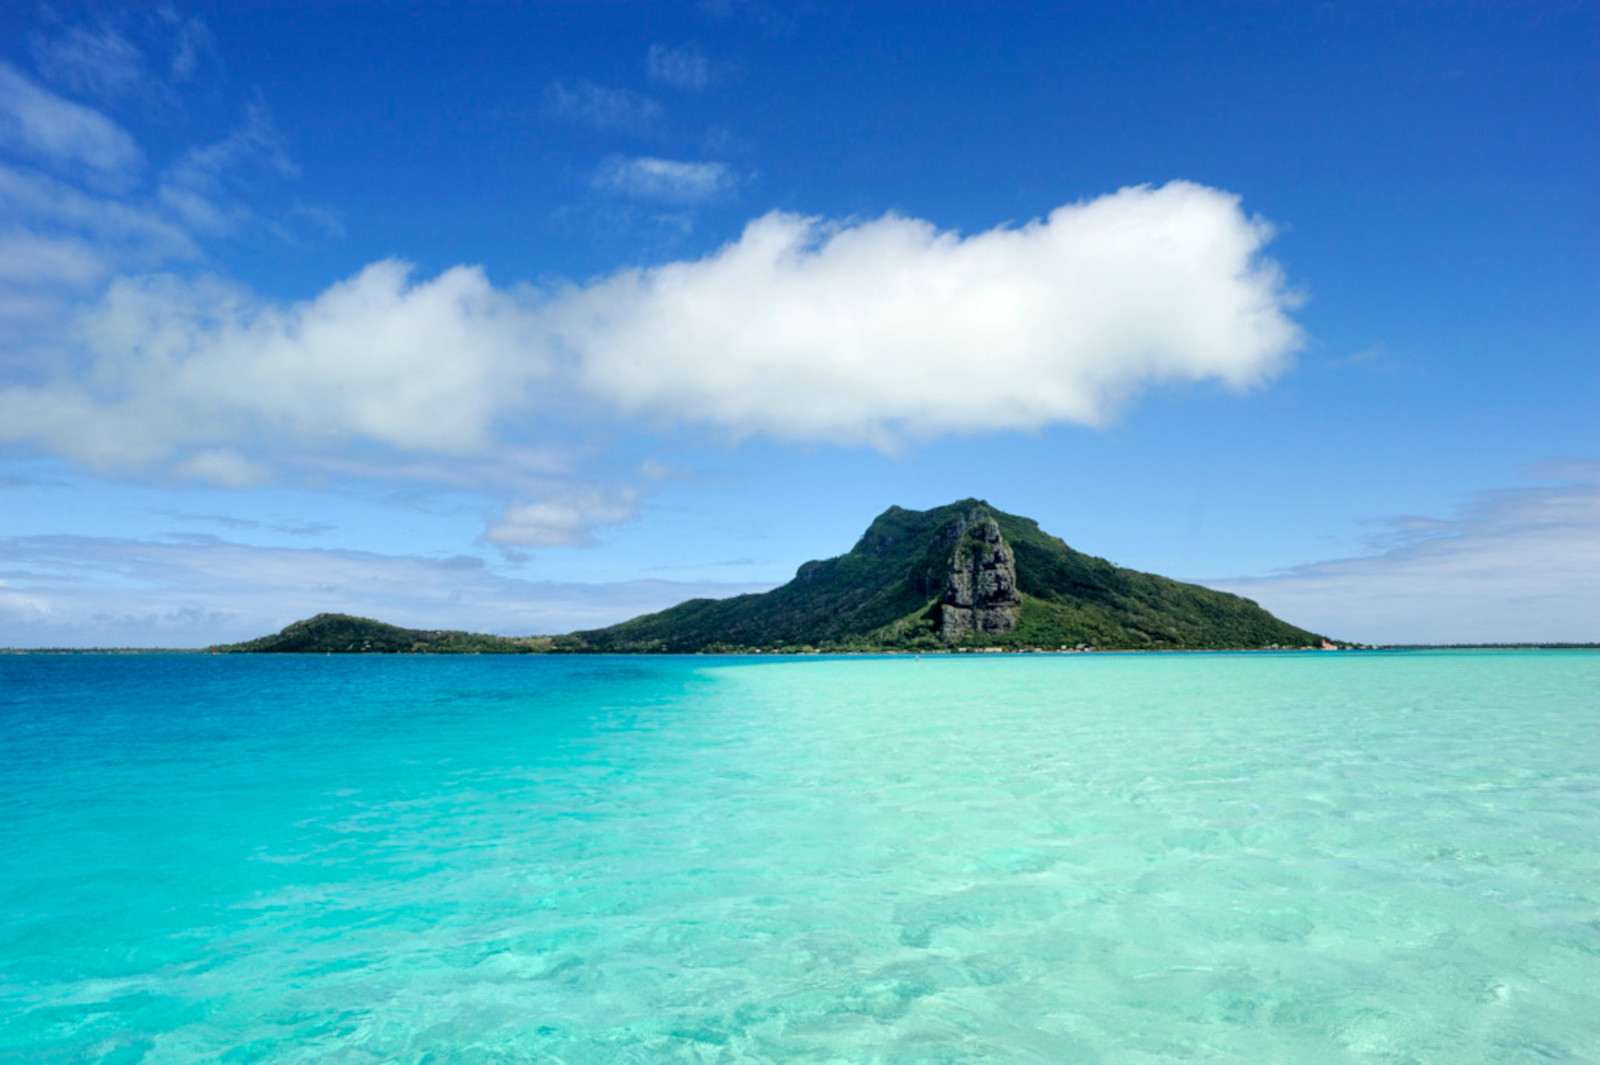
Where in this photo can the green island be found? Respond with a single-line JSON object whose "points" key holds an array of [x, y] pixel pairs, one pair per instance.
{"points": [[962, 577], [344, 634]]}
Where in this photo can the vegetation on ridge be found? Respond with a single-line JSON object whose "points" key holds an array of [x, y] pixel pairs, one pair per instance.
{"points": [[885, 593]]}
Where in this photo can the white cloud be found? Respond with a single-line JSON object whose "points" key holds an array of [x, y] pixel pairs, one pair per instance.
{"points": [[873, 331], [43, 124], [191, 591], [870, 332], [666, 180], [425, 365], [1513, 565], [602, 107], [681, 68], [566, 518]]}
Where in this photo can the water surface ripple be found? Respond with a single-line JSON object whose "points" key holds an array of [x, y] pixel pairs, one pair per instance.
{"points": [[1126, 858]]}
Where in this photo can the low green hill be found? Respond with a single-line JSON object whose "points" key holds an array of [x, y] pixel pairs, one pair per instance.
{"points": [[344, 634], [964, 576]]}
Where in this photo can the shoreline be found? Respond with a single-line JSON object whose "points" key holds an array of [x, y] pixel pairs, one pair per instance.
{"points": [[758, 653]]}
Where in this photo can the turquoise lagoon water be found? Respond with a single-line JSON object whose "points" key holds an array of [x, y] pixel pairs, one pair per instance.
{"points": [[1223, 858]]}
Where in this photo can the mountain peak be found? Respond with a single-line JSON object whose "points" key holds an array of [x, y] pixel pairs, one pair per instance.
{"points": [[962, 575]]}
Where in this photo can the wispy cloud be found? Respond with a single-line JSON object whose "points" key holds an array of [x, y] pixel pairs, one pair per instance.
{"points": [[1512, 564], [772, 18], [143, 55], [679, 67], [59, 243], [302, 528], [565, 518], [603, 108], [63, 133], [229, 521], [1375, 358], [664, 180], [127, 234], [95, 61], [193, 45], [519, 470], [223, 467], [195, 188], [77, 200], [198, 590]]}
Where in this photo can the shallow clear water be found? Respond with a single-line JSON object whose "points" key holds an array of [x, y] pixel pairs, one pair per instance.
{"points": [[1288, 857]]}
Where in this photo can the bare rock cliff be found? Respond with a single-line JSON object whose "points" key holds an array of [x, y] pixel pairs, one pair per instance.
{"points": [[980, 590]]}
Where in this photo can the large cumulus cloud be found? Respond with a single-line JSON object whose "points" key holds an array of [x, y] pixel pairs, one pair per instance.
{"points": [[860, 332], [869, 331]]}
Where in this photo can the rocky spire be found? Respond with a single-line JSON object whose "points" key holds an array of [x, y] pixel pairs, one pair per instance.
{"points": [[980, 589]]}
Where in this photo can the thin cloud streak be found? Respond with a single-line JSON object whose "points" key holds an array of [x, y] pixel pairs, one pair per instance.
{"points": [[98, 62], [602, 108], [196, 590], [64, 133], [1519, 564], [127, 234], [564, 519], [681, 68], [138, 55], [664, 180], [195, 189], [78, 203]]}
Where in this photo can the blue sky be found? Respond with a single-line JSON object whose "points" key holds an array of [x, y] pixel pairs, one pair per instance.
{"points": [[524, 320]]}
